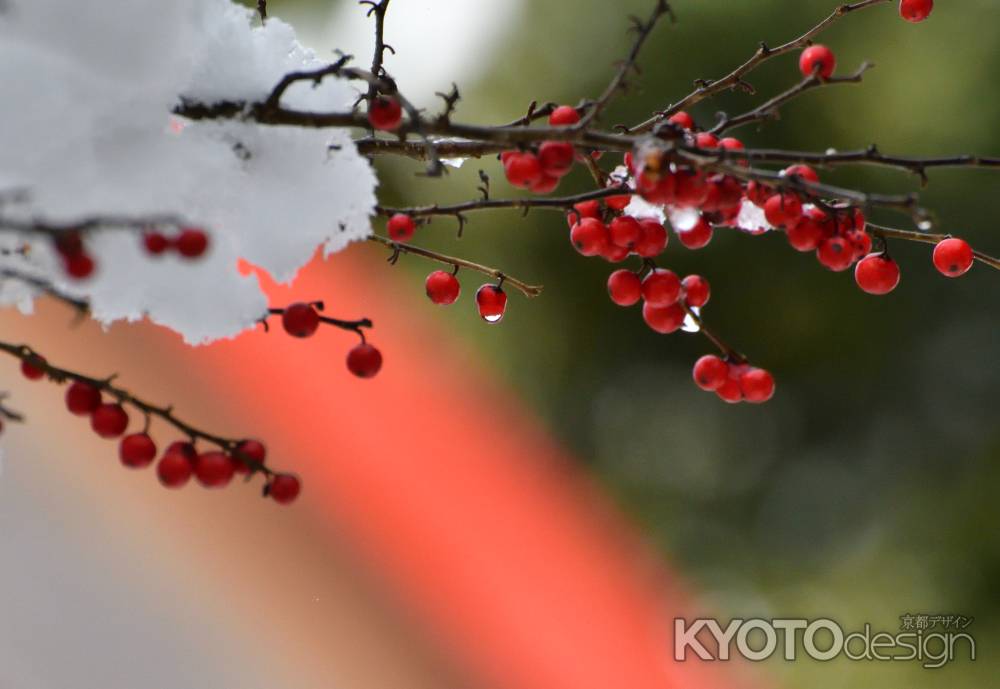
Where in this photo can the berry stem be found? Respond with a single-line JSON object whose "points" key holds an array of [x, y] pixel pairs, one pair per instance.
{"points": [[353, 326], [727, 351]]}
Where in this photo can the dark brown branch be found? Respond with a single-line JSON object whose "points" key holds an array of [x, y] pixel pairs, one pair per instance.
{"points": [[356, 327], [124, 397], [91, 224], [734, 79], [81, 306], [617, 84], [727, 351], [397, 248], [262, 9], [769, 110], [928, 238], [8, 413]]}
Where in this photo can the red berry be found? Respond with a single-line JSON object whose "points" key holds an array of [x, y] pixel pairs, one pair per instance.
{"points": [[82, 398], [624, 287], [184, 449], [385, 113], [710, 372], [653, 240], [730, 390], [614, 254], [807, 233], [252, 450], [835, 254], [69, 243], [697, 237], [588, 209], [523, 169], [590, 236], [877, 274], [300, 319], [783, 209], [690, 188], [757, 385], [155, 243], [137, 450], [401, 227], [618, 202], [284, 488], [682, 119], [492, 302], [860, 243], [696, 290], [706, 140], [556, 157], [661, 288], [191, 242], [953, 257], [625, 231], [544, 184], [663, 320], [758, 193], [731, 144], [817, 57], [174, 469], [79, 266], [564, 115], [442, 287], [364, 360], [109, 420], [803, 172], [33, 367], [214, 469], [915, 10]]}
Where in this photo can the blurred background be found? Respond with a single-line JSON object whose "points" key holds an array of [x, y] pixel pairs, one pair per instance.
{"points": [[862, 492]]}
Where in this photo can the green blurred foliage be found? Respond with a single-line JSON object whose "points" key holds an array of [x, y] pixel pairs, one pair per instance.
{"points": [[867, 488]]}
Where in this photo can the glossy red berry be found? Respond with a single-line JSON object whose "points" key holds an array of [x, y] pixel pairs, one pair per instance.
{"points": [[545, 184], [300, 319], [564, 115], [661, 288], [730, 144], [364, 360], [730, 390], [757, 385], [79, 266], [82, 398], [191, 242], [817, 59], [174, 469], [706, 140], [696, 290], [137, 450], [284, 488], [653, 240], [252, 450], [556, 157], [442, 287], [783, 209], [32, 368], [697, 237], [877, 274], [185, 449], [155, 243], [803, 172], [758, 193], [385, 113], [590, 236], [625, 231], [953, 257], [624, 287], [614, 254], [915, 10], [710, 372], [523, 169], [109, 420], [214, 469], [401, 227], [835, 254], [806, 234], [588, 209], [682, 119], [663, 320], [492, 303], [618, 202]]}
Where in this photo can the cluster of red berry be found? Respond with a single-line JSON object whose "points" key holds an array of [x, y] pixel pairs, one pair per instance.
{"points": [[733, 381], [302, 320], [180, 461], [190, 242], [541, 169]]}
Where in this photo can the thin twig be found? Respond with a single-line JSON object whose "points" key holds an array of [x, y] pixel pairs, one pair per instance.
{"points": [[928, 238]]}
